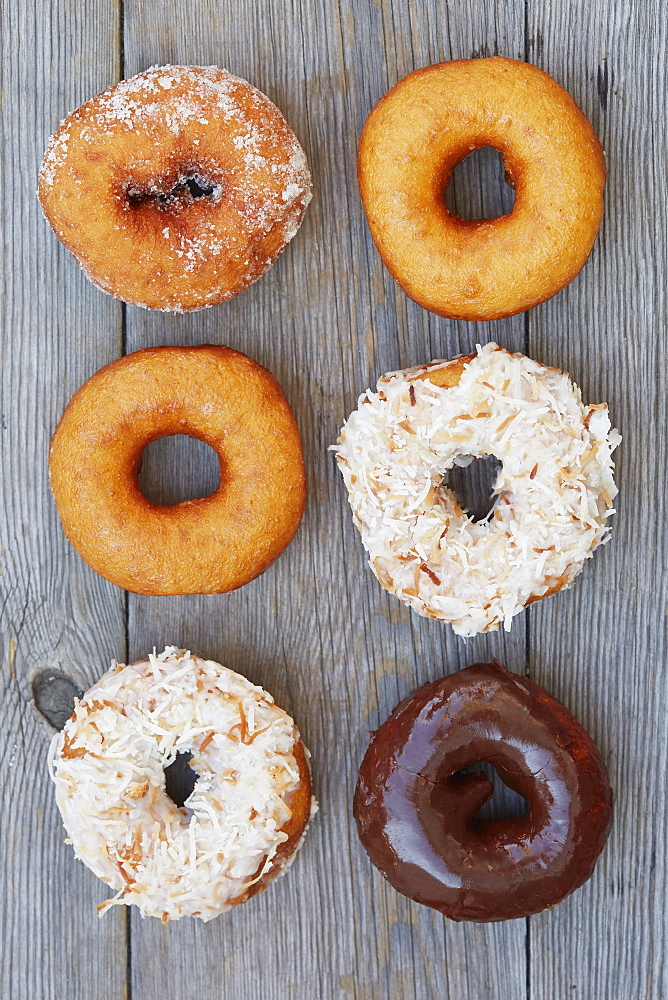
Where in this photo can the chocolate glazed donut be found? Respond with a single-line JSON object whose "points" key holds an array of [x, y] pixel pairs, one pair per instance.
{"points": [[416, 810]]}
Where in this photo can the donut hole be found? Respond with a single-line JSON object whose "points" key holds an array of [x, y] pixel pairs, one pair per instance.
{"points": [[189, 186], [200, 187], [177, 468], [478, 188], [504, 804], [180, 779], [473, 482]]}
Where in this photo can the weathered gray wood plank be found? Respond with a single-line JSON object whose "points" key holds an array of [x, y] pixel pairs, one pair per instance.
{"points": [[601, 647], [56, 330], [316, 629]]}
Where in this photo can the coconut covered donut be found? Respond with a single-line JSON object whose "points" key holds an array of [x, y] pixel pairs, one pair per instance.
{"points": [[205, 546], [243, 821], [484, 268], [554, 491], [177, 188]]}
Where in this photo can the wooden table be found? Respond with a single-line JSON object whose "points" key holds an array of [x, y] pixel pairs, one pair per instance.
{"points": [[316, 629]]}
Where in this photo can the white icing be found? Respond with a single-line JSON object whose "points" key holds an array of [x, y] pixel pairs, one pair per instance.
{"points": [[108, 763], [555, 487]]}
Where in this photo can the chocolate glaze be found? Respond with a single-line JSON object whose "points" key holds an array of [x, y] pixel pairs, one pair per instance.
{"points": [[416, 815]]}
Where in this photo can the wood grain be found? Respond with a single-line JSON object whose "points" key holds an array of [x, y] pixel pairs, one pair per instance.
{"points": [[316, 629], [601, 647], [57, 329]]}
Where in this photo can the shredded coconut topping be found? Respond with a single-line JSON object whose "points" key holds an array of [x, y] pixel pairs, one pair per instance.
{"points": [[555, 488], [108, 764]]}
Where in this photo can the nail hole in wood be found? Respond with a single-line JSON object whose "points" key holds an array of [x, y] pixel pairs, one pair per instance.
{"points": [[53, 693]]}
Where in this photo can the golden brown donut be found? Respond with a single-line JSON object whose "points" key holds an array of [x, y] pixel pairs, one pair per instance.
{"points": [[177, 188], [204, 546], [416, 135]]}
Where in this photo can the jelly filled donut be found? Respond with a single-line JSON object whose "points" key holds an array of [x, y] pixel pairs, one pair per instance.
{"points": [[416, 807], [175, 189], [204, 546], [243, 821], [554, 490], [416, 135]]}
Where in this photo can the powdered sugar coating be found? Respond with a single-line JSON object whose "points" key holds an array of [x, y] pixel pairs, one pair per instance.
{"points": [[555, 487], [108, 763], [116, 175]]}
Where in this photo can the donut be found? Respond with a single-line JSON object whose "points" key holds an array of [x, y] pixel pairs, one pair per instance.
{"points": [[416, 806], [427, 124], [245, 818], [205, 546], [554, 490], [175, 189]]}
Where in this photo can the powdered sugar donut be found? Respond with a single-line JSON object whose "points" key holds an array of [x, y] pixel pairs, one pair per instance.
{"points": [[177, 188], [242, 823], [555, 488]]}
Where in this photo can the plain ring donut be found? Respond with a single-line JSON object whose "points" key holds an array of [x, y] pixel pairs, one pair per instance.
{"points": [[238, 829], [177, 188], [416, 807], [204, 546], [554, 490], [416, 135]]}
